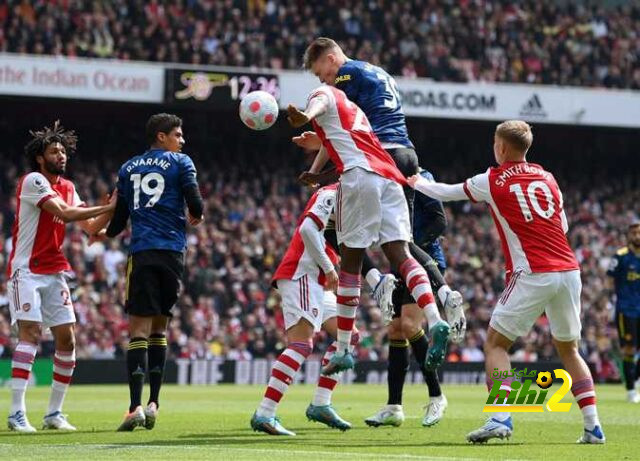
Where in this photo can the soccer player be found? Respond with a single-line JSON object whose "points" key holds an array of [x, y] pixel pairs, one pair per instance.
{"points": [[305, 272], [405, 329], [370, 209], [542, 273], [376, 93], [625, 273], [38, 291], [152, 190]]}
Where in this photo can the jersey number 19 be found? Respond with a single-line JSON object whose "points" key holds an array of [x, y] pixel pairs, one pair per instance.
{"points": [[151, 184]]}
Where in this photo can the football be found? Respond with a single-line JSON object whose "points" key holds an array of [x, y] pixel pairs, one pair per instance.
{"points": [[258, 110]]}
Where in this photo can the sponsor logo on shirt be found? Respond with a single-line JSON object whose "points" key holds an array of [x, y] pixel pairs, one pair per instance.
{"points": [[41, 187], [343, 78]]}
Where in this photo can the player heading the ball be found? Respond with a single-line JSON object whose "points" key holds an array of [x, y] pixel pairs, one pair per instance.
{"points": [[370, 209]]}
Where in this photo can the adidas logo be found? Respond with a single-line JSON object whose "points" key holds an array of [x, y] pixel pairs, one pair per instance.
{"points": [[533, 108]]}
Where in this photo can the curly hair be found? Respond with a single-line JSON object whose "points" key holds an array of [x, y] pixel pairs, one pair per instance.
{"points": [[40, 140]]}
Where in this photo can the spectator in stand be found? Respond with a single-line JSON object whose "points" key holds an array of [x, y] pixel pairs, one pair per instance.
{"points": [[525, 42]]}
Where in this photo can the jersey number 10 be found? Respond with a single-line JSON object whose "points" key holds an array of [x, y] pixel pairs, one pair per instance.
{"points": [[151, 184], [531, 192]]}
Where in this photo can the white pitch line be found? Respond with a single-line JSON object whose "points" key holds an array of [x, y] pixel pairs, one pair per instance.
{"points": [[341, 454]]}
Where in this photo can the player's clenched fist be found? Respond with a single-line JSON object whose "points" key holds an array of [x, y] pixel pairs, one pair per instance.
{"points": [[331, 282], [194, 221], [412, 180], [296, 117]]}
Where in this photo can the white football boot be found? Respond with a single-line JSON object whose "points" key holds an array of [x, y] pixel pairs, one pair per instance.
{"points": [[389, 415]]}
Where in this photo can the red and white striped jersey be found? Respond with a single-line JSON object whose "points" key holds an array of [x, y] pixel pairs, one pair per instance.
{"points": [[297, 261], [346, 134], [38, 235], [526, 205]]}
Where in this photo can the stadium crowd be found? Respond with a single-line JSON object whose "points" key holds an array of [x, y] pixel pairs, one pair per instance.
{"points": [[228, 308], [562, 43]]}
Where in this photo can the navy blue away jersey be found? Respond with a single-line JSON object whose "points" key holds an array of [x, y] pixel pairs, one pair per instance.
{"points": [[152, 185], [625, 270], [424, 208], [376, 92]]}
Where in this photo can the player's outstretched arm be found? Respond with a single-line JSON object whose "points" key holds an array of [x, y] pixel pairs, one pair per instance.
{"points": [[119, 219], [67, 213], [437, 190], [93, 226], [308, 140], [316, 106]]}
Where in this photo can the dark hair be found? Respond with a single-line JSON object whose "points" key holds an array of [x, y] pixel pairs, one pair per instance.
{"points": [[316, 49], [161, 123], [43, 138]]}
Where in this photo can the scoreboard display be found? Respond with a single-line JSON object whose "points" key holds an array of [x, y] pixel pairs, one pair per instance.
{"points": [[214, 89]]}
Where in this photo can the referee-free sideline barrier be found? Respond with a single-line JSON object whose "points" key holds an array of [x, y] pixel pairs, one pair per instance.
{"points": [[256, 371]]}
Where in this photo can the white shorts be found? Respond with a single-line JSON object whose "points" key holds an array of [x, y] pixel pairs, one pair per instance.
{"points": [[528, 295], [40, 298], [370, 209], [306, 299]]}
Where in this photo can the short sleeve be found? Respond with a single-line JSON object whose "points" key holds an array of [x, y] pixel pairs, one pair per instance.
{"points": [[36, 189], [477, 188], [322, 92], [77, 201], [188, 172], [347, 80], [322, 207]]}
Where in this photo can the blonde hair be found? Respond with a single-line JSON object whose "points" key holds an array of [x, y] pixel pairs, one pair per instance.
{"points": [[516, 133]]}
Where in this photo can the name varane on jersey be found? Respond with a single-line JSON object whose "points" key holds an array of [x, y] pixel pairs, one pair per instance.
{"points": [[376, 92], [152, 185]]}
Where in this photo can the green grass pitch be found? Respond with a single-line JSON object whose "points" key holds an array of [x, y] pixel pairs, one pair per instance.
{"points": [[213, 423]]}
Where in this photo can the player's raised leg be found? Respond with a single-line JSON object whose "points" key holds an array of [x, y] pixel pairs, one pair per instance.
{"points": [[418, 284], [382, 287], [64, 362], [21, 364], [450, 300], [411, 322], [285, 368], [348, 299]]}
